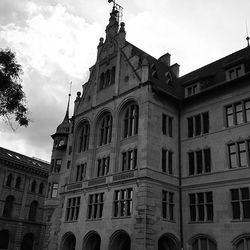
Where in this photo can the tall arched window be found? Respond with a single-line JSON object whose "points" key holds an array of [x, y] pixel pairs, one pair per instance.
{"points": [[130, 122], [33, 210], [33, 187], [9, 180], [112, 75], [242, 243], [8, 206], [203, 243], [41, 187], [105, 130], [107, 78], [84, 137], [18, 182], [102, 81]]}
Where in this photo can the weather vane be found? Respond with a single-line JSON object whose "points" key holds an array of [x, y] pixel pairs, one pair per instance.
{"points": [[118, 9]]}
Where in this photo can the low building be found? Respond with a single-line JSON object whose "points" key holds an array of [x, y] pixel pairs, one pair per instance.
{"points": [[23, 184]]}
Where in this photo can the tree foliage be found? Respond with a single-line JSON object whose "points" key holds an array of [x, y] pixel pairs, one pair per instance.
{"points": [[12, 97]]}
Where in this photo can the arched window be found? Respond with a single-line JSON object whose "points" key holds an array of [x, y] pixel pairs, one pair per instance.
{"points": [[242, 242], [41, 187], [102, 81], [9, 180], [130, 126], [28, 242], [84, 137], [105, 130], [4, 239], [203, 243], [107, 80], [33, 210], [8, 206], [112, 75], [18, 182], [33, 187]]}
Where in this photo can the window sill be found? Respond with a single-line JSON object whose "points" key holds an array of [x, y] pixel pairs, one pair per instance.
{"points": [[240, 220], [200, 222], [72, 221], [122, 217], [198, 136], [94, 219], [167, 220]]}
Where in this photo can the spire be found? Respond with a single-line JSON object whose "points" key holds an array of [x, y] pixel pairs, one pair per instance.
{"points": [[66, 118]]}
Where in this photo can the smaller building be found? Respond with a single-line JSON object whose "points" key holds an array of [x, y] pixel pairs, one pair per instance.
{"points": [[23, 184]]}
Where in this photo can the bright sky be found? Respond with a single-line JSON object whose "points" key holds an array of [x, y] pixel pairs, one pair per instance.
{"points": [[55, 42]]}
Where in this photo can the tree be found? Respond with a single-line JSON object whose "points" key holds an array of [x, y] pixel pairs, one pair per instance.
{"points": [[12, 97]]}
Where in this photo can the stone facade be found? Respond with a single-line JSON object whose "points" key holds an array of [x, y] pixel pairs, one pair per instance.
{"points": [[23, 184], [151, 160]]}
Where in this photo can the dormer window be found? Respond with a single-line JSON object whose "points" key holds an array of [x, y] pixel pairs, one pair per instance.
{"points": [[168, 79], [192, 89], [235, 72], [154, 71]]}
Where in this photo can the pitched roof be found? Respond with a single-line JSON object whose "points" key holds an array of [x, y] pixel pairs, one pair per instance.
{"points": [[11, 156]]}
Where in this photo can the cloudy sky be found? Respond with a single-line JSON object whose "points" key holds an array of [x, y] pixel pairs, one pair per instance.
{"points": [[55, 42]]}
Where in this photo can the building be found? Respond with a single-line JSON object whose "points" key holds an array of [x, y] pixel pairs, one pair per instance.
{"points": [[150, 160], [23, 184]]}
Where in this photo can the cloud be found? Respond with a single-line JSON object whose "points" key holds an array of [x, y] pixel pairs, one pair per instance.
{"points": [[54, 47]]}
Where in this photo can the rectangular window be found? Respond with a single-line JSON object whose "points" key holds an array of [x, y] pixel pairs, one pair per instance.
{"points": [[72, 209], [81, 171], [167, 161], [199, 161], [54, 190], [103, 166], [201, 206], [167, 125], [235, 72], [58, 165], [239, 153], [129, 160], [122, 204], [240, 200], [192, 89], [237, 113], [68, 164], [95, 206], [167, 205], [198, 124]]}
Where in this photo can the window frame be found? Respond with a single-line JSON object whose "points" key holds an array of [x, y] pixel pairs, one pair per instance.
{"points": [[123, 203], [105, 129], [95, 206], [129, 160], [244, 111], [167, 211], [130, 120], [205, 161], [197, 126], [199, 207], [167, 161], [72, 209], [240, 202]]}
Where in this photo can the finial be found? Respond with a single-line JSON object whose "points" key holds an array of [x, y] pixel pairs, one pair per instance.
{"points": [[67, 111], [101, 41], [117, 10], [247, 38]]}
